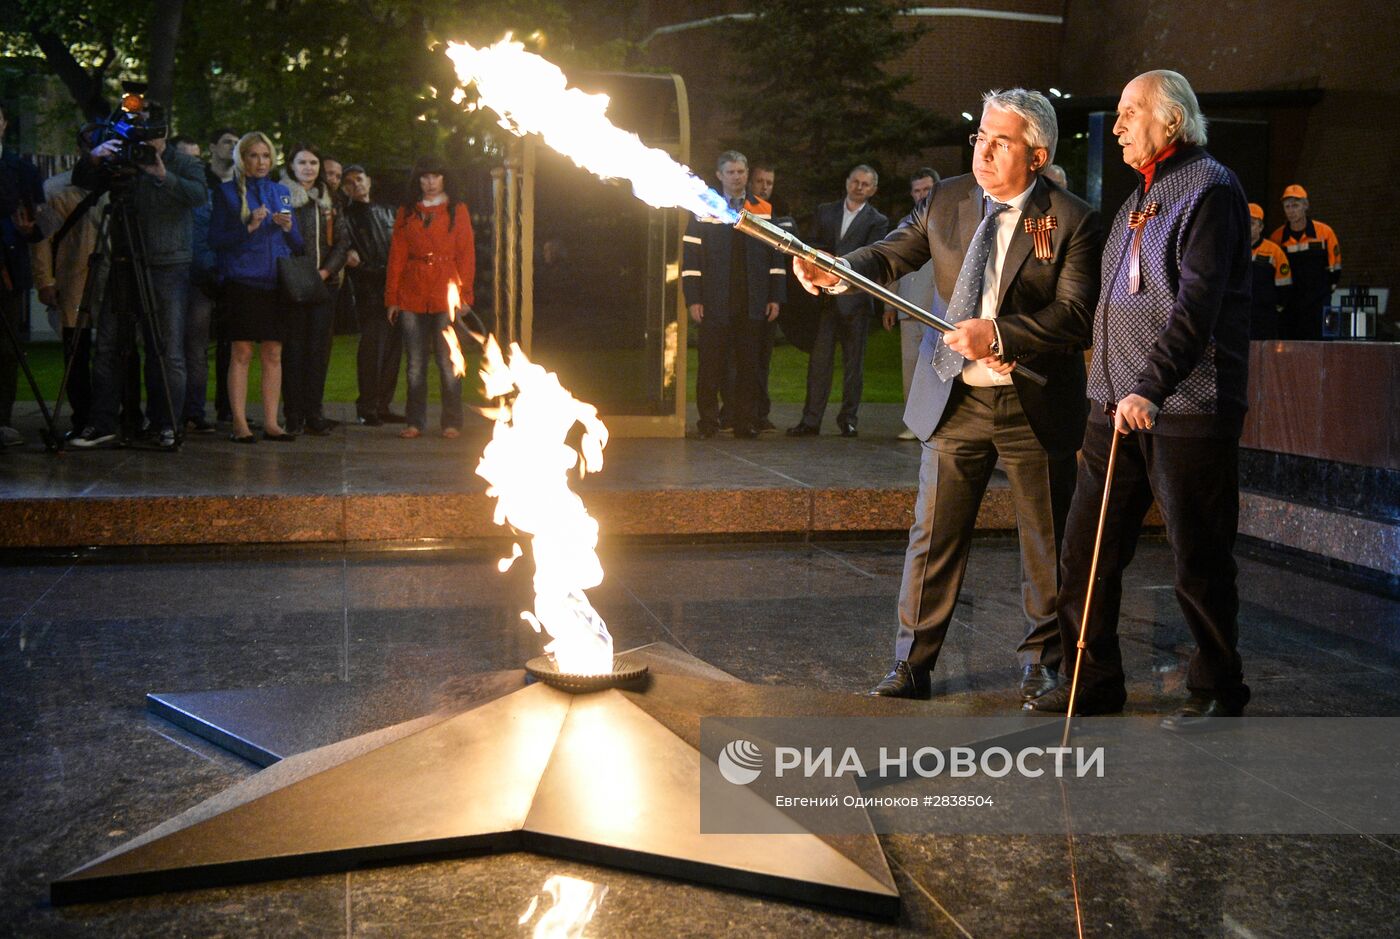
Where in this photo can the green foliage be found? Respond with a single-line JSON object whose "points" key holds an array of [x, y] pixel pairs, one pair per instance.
{"points": [[365, 79], [813, 92]]}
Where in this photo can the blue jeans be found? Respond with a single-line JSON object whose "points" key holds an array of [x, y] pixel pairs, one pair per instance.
{"points": [[116, 341], [199, 310], [422, 339]]}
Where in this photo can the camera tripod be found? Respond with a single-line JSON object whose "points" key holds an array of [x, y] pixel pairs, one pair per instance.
{"points": [[117, 270]]}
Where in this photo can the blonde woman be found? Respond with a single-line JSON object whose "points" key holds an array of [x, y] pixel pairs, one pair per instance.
{"points": [[251, 227]]}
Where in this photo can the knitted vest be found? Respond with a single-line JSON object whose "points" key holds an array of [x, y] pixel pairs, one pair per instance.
{"points": [[1127, 325]]}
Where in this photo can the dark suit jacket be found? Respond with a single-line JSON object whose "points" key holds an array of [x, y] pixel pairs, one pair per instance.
{"points": [[868, 227], [1046, 308]]}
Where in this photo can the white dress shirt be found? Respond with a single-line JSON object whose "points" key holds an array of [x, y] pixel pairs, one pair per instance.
{"points": [[974, 372], [848, 215]]}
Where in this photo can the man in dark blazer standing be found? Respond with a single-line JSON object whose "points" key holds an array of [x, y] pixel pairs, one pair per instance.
{"points": [[842, 227], [1018, 258]]}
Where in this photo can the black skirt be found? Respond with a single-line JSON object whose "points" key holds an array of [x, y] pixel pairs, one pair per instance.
{"points": [[254, 314]]}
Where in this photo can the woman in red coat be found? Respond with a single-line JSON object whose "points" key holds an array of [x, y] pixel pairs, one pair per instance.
{"points": [[432, 248]]}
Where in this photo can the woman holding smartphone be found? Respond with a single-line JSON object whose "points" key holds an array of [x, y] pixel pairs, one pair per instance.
{"points": [[250, 228], [432, 247]]}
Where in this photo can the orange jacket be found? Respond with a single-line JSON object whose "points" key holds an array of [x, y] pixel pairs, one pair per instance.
{"points": [[424, 257]]}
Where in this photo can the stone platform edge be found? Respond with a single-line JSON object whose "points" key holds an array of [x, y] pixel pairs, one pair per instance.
{"points": [[70, 522], [61, 522]]}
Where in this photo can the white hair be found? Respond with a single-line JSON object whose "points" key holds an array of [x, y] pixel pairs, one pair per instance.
{"points": [[1175, 105], [1042, 128]]}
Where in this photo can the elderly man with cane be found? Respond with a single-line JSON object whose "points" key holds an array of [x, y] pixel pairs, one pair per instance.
{"points": [[1167, 390]]}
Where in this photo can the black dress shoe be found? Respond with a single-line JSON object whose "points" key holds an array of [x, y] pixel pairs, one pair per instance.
{"points": [[705, 431], [1036, 680], [764, 426], [745, 433], [902, 682], [389, 417], [295, 426], [803, 430], [369, 420], [279, 438], [1087, 702], [1199, 713], [848, 430]]}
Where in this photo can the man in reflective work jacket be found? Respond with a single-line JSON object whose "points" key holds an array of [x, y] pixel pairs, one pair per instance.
{"points": [[1315, 256]]}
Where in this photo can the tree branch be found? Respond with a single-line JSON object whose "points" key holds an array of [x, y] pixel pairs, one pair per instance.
{"points": [[85, 87]]}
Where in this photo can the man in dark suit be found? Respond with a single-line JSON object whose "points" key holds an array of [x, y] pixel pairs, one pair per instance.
{"points": [[842, 227], [1016, 298]]}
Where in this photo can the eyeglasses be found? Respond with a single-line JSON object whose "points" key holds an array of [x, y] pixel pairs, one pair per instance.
{"points": [[977, 140]]}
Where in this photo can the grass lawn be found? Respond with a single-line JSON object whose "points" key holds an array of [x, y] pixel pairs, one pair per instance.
{"points": [[787, 378]]}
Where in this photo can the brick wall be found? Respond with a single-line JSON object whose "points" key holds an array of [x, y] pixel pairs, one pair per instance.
{"points": [[1342, 149]]}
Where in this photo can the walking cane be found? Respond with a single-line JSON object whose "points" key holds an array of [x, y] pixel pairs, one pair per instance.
{"points": [[1093, 573]]}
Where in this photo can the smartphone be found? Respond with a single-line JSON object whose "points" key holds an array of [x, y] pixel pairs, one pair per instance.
{"points": [[284, 203]]}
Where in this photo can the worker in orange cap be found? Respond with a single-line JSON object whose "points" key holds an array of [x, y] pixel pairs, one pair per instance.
{"points": [[1316, 259], [1272, 278]]}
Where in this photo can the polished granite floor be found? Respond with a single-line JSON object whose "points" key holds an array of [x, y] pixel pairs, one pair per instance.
{"points": [[83, 767]]}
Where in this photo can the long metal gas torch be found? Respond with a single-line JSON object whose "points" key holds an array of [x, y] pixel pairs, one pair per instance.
{"points": [[790, 244]]}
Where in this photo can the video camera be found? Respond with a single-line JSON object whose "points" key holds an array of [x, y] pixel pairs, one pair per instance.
{"points": [[135, 122]]}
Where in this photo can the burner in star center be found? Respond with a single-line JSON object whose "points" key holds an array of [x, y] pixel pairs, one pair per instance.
{"points": [[624, 673]]}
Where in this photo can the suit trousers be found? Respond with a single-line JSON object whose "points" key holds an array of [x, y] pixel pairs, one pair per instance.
{"points": [[979, 426], [1195, 481], [763, 405], [380, 350], [725, 340], [850, 332], [911, 336]]}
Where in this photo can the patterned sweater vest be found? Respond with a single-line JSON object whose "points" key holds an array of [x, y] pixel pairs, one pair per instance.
{"points": [[1127, 325]]}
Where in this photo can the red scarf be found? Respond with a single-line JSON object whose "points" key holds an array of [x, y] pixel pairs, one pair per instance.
{"points": [[1150, 170]]}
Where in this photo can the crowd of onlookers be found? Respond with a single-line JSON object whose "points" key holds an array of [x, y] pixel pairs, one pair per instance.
{"points": [[254, 251], [245, 251]]}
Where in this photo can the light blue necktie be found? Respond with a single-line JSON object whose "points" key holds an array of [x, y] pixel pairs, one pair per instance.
{"points": [[967, 292]]}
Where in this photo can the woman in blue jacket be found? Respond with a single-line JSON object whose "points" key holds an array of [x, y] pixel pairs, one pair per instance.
{"points": [[251, 227]]}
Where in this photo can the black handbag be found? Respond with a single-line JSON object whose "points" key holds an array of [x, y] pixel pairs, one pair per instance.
{"points": [[299, 277], [299, 280]]}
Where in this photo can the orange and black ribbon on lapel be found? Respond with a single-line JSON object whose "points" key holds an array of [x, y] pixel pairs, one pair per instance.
{"points": [[1039, 229], [1136, 221]]}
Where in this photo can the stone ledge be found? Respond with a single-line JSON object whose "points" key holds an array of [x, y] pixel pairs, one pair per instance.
{"points": [[1337, 535], [291, 519]]}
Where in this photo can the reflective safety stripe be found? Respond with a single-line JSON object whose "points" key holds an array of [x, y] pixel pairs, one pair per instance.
{"points": [[777, 270], [690, 273], [692, 239]]}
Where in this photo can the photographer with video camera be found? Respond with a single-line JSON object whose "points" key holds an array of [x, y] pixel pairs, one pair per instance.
{"points": [[154, 192]]}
